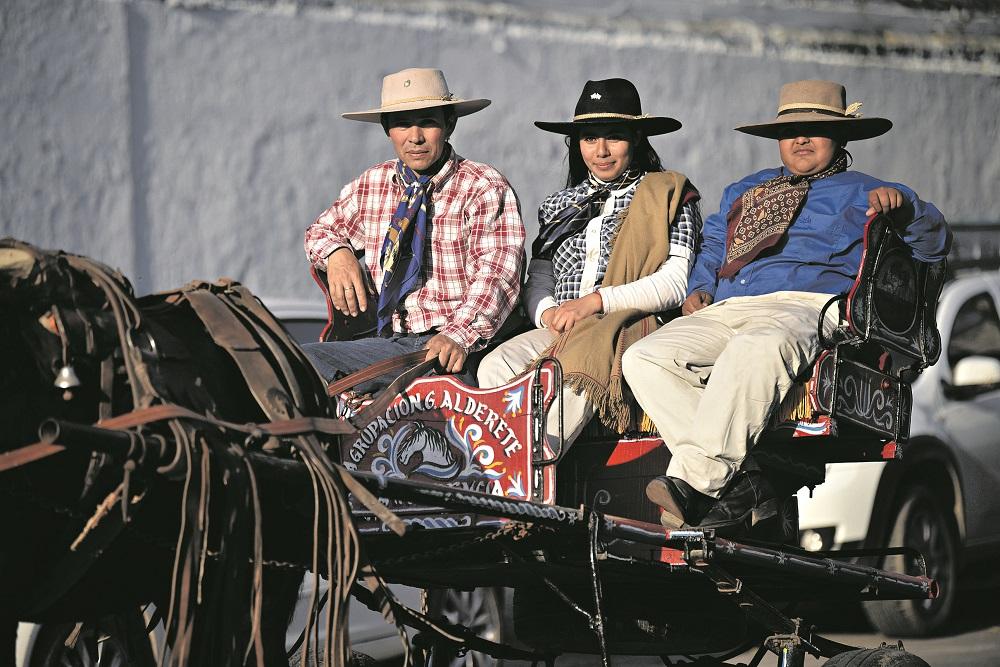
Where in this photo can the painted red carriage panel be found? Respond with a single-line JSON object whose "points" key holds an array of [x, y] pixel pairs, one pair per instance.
{"points": [[442, 431]]}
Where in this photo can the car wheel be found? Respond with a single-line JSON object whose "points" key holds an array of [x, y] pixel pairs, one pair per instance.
{"points": [[921, 524], [90, 648], [480, 610], [116, 640], [876, 657]]}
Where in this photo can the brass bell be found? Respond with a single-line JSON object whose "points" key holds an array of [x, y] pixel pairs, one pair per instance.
{"points": [[66, 378]]}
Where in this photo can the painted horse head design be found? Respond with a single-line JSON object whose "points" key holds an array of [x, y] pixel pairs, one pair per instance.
{"points": [[432, 446]]}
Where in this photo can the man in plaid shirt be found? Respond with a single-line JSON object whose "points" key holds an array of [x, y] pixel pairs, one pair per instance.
{"points": [[441, 237]]}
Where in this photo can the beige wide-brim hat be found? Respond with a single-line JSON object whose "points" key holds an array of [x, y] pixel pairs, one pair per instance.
{"points": [[416, 88], [816, 105]]}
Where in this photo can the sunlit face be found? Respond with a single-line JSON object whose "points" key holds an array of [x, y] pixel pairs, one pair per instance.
{"points": [[805, 156], [419, 136], [606, 150]]}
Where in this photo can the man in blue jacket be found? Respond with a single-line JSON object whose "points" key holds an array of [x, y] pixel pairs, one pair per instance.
{"points": [[783, 242]]}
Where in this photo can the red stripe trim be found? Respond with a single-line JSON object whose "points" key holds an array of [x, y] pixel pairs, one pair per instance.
{"points": [[630, 450], [857, 280], [314, 272]]}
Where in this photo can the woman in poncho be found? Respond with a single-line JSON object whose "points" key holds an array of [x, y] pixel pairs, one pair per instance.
{"points": [[613, 251]]}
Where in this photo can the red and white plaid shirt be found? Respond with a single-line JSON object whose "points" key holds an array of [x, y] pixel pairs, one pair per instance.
{"points": [[473, 259]]}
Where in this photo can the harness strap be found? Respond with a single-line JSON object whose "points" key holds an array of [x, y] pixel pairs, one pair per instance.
{"points": [[282, 346], [28, 454], [385, 399], [229, 333], [238, 305], [158, 413], [375, 370]]}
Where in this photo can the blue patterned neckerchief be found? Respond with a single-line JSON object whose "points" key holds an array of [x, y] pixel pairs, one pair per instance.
{"points": [[577, 214], [403, 248]]}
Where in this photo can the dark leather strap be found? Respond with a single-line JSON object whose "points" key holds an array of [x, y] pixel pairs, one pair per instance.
{"points": [[25, 455], [284, 427], [380, 404], [229, 333], [374, 371], [293, 426]]}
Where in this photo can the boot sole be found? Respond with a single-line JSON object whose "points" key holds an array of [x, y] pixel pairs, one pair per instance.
{"points": [[670, 517]]}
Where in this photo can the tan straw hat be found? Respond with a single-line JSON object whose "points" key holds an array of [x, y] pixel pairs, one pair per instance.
{"points": [[416, 88], [815, 103]]}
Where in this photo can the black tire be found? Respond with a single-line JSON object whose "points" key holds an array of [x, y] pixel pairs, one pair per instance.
{"points": [[922, 524], [481, 610], [92, 648], [876, 657], [115, 641]]}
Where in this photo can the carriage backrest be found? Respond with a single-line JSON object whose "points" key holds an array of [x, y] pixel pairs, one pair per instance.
{"points": [[893, 301]]}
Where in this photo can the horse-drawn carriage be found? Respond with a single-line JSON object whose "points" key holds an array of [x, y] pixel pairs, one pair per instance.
{"points": [[188, 455]]}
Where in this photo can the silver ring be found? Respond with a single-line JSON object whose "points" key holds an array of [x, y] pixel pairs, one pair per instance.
{"points": [[348, 289]]}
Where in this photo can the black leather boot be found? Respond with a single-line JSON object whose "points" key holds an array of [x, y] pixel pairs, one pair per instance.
{"points": [[748, 498], [682, 505]]}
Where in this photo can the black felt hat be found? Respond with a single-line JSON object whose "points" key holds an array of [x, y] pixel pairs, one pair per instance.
{"points": [[611, 101]]}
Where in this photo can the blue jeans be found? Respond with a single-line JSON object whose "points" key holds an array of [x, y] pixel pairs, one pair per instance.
{"points": [[339, 358]]}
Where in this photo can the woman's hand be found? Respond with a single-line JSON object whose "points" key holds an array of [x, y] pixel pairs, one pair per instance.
{"points": [[562, 318], [547, 316], [346, 282]]}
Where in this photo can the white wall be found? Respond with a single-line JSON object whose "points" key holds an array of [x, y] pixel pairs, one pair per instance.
{"points": [[198, 139]]}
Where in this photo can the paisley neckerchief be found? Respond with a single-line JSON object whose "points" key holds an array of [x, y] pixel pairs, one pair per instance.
{"points": [[760, 217]]}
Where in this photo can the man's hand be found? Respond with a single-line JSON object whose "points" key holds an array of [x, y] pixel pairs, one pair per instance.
{"points": [[884, 199], [568, 313], [346, 282], [696, 301], [450, 355]]}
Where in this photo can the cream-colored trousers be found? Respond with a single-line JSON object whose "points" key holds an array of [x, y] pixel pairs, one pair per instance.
{"points": [[511, 358], [710, 380]]}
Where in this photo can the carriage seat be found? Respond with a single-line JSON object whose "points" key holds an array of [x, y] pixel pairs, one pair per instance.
{"points": [[491, 439], [340, 327], [860, 383]]}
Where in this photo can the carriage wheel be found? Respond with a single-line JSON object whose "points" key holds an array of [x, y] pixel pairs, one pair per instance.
{"points": [[884, 656]]}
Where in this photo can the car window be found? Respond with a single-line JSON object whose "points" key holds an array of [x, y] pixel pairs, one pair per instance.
{"points": [[304, 330], [976, 330]]}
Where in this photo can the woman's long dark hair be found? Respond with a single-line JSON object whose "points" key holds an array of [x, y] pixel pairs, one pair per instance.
{"points": [[643, 157]]}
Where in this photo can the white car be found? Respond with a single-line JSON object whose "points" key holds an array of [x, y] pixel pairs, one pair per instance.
{"points": [[942, 497]]}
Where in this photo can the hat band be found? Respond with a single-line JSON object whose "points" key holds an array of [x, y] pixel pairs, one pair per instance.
{"points": [[426, 98], [850, 112], [622, 116]]}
